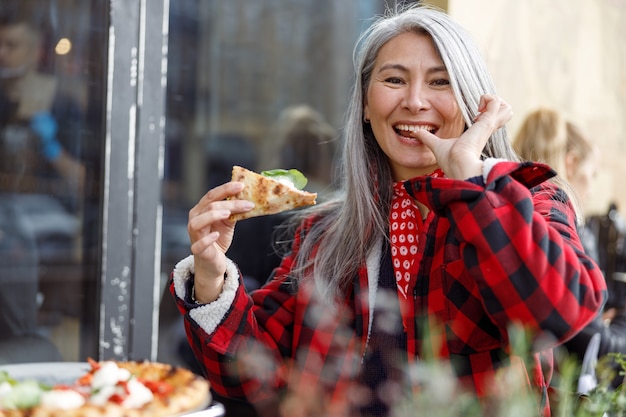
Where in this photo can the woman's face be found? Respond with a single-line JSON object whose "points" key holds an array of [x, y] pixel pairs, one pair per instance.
{"points": [[410, 90]]}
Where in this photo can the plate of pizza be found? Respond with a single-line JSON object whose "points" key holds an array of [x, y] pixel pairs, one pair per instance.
{"points": [[105, 388]]}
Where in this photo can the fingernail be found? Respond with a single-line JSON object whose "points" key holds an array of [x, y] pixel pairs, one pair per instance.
{"points": [[247, 205]]}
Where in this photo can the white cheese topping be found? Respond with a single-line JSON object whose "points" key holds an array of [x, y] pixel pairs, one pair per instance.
{"points": [[102, 395], [109, 374], [5, 388], [286, 181], [106, 383], [62, 399], [138, 394]]}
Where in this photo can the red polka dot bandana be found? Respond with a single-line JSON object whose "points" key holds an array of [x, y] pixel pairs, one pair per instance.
{"points": [[405, 225]]}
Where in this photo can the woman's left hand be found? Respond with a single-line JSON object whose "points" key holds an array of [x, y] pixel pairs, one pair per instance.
{"points": [[460, 157]]}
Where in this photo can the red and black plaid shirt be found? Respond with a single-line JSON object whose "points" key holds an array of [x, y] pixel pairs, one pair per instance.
{"points": [[490, 255]]}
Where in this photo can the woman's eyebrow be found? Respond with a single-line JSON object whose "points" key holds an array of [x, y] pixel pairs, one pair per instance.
{"points": [[436, 69], [400, 67], [391, 66]]}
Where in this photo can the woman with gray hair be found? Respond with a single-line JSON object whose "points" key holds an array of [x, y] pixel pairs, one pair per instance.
{"points": [[439, 241]]}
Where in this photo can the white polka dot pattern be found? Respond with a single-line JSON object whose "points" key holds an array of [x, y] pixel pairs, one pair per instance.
{"points": [[405, 224], [403, 235]]}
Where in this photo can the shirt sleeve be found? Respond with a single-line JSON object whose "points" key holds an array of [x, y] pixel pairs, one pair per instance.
{"points": [[517, 238], [238, 327], [208, 316]]}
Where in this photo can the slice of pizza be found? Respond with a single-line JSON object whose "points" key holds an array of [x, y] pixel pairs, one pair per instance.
{"points": [[274, 192]]}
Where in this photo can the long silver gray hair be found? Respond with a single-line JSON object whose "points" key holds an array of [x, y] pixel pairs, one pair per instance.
{"points": [[357, 217]]}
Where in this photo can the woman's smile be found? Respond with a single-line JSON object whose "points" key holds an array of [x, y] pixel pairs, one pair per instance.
{"points": [[408, 130]]}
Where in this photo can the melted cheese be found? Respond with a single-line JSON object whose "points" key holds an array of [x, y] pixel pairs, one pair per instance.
{"points": [[62, 399], [106, 383], [138, 394]]}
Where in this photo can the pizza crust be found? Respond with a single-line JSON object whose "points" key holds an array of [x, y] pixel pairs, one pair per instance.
{"points": [[268, 195]]}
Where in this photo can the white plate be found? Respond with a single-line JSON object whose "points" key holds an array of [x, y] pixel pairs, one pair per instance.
{"points": [[66, 372], [215, 410], [47, 372]]}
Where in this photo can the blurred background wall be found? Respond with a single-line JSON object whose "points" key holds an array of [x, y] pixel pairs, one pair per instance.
{"points": [[566, 54]]}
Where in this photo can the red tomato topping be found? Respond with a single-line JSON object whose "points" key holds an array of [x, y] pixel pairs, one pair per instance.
{"points": [[95, 365], [116, 398], [85, 379], [160, 388]]}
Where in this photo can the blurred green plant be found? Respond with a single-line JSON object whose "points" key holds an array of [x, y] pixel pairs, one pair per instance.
{"points": [[608, 398], [440, 395]]}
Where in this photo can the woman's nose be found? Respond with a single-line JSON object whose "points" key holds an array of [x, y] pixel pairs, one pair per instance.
{"points": [[416, 98]]}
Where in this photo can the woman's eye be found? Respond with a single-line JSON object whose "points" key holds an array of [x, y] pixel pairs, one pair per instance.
{"points": [[440, 82], [393, 80]]}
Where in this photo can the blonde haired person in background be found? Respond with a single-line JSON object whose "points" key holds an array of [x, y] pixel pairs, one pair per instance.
{"points": [[546, 136]]}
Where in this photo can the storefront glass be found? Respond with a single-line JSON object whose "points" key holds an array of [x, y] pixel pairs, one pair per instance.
{"points": [[115, 118], [52, 56]]}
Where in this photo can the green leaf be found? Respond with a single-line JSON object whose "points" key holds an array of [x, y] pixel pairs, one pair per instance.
{"points": [[294, 176], [4, 377], [24, 394]]}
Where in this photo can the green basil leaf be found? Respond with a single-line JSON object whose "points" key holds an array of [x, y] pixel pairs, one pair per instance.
{"points": [[293, 175]]}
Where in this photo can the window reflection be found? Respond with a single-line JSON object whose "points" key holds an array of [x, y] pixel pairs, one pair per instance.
{"points": [[49, 159]]}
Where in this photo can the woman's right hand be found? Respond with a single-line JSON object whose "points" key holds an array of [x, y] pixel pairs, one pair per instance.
{"points": [[211, 233], [461, 157]]}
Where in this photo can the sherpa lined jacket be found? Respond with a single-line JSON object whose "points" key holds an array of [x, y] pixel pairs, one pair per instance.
{"points": [[491, 254]]}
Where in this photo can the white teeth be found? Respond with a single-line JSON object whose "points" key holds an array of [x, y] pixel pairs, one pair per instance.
{"points": [[415, 128]]}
